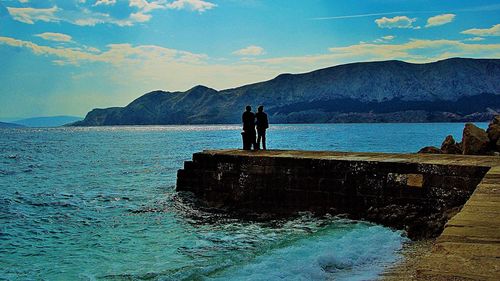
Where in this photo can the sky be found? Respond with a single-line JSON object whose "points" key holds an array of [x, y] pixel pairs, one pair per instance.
{"points": [[66, 57]]}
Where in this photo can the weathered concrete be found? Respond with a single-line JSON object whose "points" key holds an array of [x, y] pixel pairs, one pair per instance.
{"points": [[416, 192], [469, 247]]}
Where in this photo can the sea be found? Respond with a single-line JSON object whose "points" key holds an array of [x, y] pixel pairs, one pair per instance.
{"points": [[99, 203]]}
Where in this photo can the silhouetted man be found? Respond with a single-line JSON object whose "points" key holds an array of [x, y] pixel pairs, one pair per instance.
{"points": [[262, 125], [248, 119]]}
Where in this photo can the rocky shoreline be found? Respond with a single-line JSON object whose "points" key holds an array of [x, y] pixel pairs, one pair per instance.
{"points": [[475, 141]]}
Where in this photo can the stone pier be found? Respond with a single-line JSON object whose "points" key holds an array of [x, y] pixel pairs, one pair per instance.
{"points": [[415, 192]]}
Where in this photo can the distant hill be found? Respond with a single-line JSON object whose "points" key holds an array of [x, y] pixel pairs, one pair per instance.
{"points": [[49, 121], [456, 89], [9, 125]]}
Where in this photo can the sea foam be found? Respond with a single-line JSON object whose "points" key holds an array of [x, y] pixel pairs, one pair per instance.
{"points": [[358, 253]]}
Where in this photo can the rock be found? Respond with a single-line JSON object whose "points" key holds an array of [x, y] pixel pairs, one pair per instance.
{"points": [[430, 149], [496, 120], [494, 130], [475, 140], [449, 146], [493, 133]]}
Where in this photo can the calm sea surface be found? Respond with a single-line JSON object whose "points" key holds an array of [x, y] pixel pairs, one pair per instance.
{"points": [[99, 204]]}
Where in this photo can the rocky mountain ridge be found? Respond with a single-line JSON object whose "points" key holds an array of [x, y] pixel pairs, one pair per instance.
{"points": [[456, 89]]}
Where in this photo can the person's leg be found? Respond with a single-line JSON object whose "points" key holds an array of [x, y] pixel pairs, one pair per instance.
{"points": [[245, 140], [264, 139], [259, 136], [253, 140]]}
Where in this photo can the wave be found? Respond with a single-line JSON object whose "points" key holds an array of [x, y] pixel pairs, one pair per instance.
{"points": [[361, 253]]}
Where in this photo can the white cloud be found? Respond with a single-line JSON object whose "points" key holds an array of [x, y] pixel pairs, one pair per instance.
{"points": [[87, 17], [360, 15], [384, 39], [145, 6], [92, 19], [419, 50], [194, 5], [395, 22], [152, 59], [116, 53], [440, 20], [104, 2], [92, 49], [140, 17], [142, 67], [87, 21], [492, 31], [68, 54], [475, 39], [23, 1], [31, 15], [415, 50], [250, 51], [151, 66], [52, 36], [84, 18]]}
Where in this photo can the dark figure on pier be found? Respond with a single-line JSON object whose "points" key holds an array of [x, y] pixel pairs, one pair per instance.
{"points": [[248, 119], [262, 125]]}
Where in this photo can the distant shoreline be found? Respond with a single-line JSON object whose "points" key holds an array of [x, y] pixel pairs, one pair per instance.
{"points": [[272, 124]]}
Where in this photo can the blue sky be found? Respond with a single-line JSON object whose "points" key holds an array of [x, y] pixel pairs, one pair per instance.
{"points": [[70, 56]]}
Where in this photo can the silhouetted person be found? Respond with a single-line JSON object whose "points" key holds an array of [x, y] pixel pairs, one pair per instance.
{"points": [[262, 125], [248, 119]]}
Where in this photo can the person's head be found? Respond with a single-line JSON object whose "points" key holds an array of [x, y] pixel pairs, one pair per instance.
{"points": [[248, 108], [260, 108]]}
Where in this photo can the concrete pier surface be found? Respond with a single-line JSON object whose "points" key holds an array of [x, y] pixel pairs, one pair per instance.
{"points": [[420, 193], [469, 247]]}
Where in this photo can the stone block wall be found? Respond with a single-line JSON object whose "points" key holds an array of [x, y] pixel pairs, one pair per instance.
{"points": [[416, 197]]}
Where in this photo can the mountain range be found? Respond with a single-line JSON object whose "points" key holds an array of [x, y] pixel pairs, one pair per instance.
{"points": [[457, 89], [47, 121], [9, 125]]}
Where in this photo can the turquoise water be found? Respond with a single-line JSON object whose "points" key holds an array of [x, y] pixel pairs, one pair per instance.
{"points": [[99, 204]]}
